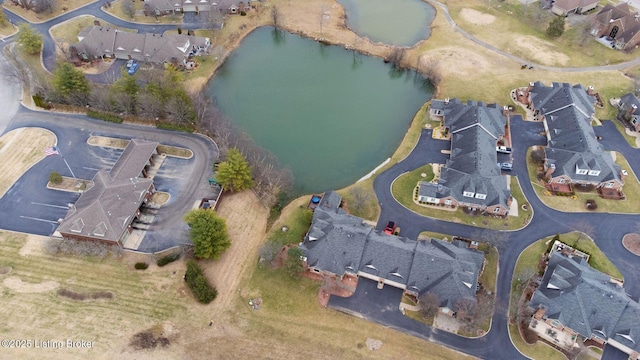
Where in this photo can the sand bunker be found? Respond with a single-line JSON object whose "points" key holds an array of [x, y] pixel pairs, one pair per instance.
{"points": [[17, 285], [476, 17]]}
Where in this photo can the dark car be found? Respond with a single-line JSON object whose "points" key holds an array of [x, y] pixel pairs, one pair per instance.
{"points": [[390, 227]]}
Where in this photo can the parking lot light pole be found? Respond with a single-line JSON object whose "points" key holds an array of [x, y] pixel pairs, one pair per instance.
{"points": [[57, 149]]}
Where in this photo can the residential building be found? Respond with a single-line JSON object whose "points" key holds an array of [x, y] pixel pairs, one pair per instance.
{"points": [[573, 156], [629, 110], [104, 42], [579, 301], [619, 25], [166, 7], [471, 177], [104, 212], [340, 245], [569, 7]]}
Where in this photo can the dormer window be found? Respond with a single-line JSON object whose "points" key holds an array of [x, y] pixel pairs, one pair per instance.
{"points": [[594, 172], [468, 194], [481, 196]]}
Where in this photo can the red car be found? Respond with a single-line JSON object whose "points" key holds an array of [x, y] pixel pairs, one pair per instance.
{"points": [[390, 227]]}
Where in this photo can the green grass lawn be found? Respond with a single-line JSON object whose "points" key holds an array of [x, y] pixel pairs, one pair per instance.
{"points": [[7, 29], [597, 259], [489, 275], [569, 204], [402, 189], [298, 225]]}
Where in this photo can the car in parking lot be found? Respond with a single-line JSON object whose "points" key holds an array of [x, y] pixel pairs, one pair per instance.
{"points": [[130, 62], [133, 68], [505, 166], [503, 149], [391, 226]]}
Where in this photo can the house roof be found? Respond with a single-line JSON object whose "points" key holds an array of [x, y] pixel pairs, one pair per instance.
{"points": [[622, 12], [627, 101], [587, 301], [569, 5], [105, 210], [158, 48], [475, 129], [572, 141], [341, 243]]}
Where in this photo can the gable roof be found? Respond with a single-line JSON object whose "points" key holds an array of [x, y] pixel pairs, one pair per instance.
{"points": [[475, 128], [341, 243], [157, 48], [587, 301], [105, 210], [572, 141], [569, 5], [627, 101], [621, 12]]}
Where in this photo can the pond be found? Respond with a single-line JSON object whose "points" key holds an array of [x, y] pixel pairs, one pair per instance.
{"points": [[329, 114], [397, 22]]}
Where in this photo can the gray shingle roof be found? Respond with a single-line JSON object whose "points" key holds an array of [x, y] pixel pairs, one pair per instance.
{"points": [[586, 301], [475, 128], [341, 243], [105, 210], [572, 141], [626, 102]]}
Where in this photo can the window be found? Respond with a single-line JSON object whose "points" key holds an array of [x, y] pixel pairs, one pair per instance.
{"points": [[581, 172], [481, 196], [447, 202], [467, 194], [594, 172], [495, 210], [560, 181], [609, 185]]}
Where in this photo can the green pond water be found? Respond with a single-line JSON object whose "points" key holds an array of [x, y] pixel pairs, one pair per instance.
{"points": [[329, 114], [393, 22]]}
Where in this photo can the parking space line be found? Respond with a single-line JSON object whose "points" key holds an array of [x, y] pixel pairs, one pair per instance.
{"points": [[90, 168], [36, 219], [50, 205]]}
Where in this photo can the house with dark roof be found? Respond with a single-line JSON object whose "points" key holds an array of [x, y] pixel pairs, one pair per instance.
{"points": [[629, 110], [340, 245], [577, 300], [471, 177], [105, 211], [166, 7], [97, 42], [573, 155], [618, 24], [569, 7]]}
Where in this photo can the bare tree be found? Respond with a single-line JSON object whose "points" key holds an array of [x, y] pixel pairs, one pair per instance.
{"points": [[275, 16], [585, 230], [128, 8], [430, 68], [465, 308], [47, 6], [429, 304], [150, 106], [396, 57], [100, 98], [359, 199]]}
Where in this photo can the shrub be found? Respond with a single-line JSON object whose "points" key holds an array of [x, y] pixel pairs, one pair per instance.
{"points": [[168, 259], [242, 13], [591, 204], [40, 101], [141, 266], [179, 31], [175, 127], [55, 177], [104, 116], [198, 283]]}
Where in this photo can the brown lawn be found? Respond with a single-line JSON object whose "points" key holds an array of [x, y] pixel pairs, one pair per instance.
{"points": [[19, 150], [631, 242]]}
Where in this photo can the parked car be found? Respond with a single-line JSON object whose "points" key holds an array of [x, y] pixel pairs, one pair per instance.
{"points": [[390, 227], [130, 62], [503, 149], [133, 68], [505, 166]]}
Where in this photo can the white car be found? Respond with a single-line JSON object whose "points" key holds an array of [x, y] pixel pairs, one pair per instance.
{"points": [[130, 62], [503, 149]]}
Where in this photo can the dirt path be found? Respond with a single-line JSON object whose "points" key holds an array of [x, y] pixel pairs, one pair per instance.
{"points": [[20, 149], [246, 222]]}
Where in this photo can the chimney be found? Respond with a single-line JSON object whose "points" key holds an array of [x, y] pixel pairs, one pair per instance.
{"points": [[446, 101], [550, 170], [631, 110], [530, 86], [590, 90], [623, 175], [505, 110]]}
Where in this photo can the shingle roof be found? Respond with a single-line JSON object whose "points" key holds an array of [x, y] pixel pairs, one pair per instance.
{"points": [[611, 13], [587, 301], [626, 102], [569, 5], [475, 128], [341, 243], [105, 210], [572, 141]]}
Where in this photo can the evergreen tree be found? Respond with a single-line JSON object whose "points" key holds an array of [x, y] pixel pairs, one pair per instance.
{"points": [[556, 27], [30, 39], [235, 173], [208, 233]]}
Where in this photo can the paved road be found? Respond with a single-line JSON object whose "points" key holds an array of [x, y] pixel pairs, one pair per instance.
{"points": [[185, 180]]}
